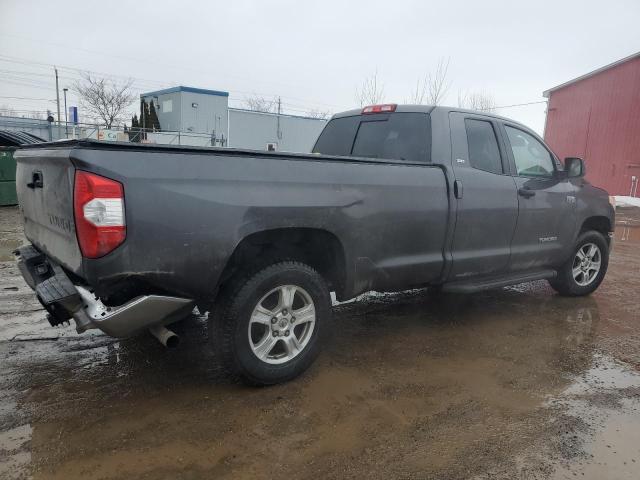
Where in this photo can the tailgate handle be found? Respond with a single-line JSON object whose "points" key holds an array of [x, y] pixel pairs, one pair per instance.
{"points": [[36, 180]]}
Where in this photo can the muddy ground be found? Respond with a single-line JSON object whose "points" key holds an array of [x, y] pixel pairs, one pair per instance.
{"points": [[511, 383]]}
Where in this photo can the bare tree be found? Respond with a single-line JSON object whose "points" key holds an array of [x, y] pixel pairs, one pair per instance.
{"points": [[371, 92], [260, 104], [7, 111], [437, 83], [105, 99], [418, 95], [481, 101], [36, 115], [319, 114], [432, 89]]}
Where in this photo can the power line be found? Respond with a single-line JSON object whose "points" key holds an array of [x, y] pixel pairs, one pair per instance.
{"points": [[161, 63], [22, 84], [140, 84], [27, 98], [19, 72], [77, 74], [75, 71], [521, 104], [16, 80]]}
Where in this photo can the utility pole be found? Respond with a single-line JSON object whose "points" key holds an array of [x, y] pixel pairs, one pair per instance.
{"points": [[66, 120], [57, 98], [278, 131], [143, 110]]}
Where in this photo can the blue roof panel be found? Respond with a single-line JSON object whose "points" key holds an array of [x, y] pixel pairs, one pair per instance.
{"points": [[181, 88]]}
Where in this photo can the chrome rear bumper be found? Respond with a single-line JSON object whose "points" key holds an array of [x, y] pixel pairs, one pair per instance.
{"points": [[134, 316], [65, 300], [125, 320]]}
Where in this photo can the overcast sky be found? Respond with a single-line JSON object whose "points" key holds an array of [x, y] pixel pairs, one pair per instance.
{"points": [[312, 54]]}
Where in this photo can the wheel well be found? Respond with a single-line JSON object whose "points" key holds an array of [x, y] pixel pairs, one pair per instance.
{"points": [[599, 224], [318, 248]]}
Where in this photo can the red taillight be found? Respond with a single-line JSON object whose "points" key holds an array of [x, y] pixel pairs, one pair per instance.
{"points": [[98, 207], [387, 107]]}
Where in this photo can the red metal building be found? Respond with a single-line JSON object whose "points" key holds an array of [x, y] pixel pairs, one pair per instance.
{"points": [[597, 117]]}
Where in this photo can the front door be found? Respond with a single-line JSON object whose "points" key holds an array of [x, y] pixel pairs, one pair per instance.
{"points": [[486, 200], [546, 203]]}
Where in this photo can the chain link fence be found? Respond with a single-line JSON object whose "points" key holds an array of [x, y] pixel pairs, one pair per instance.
{"points": [[52, 131]]}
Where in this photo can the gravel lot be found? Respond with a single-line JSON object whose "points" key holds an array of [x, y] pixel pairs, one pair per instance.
{"points": [[510, 383]]}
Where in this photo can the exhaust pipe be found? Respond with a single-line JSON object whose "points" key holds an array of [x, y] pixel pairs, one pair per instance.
{"points": [[165, 336]]}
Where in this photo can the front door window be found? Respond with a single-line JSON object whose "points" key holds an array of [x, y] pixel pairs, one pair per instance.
{"points": [[532, 159]]}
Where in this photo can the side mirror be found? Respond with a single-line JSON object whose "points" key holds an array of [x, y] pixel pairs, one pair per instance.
{"points": [[574, 167]]}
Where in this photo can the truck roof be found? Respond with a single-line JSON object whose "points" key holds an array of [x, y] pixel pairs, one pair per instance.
{"points": [[410, 108]]}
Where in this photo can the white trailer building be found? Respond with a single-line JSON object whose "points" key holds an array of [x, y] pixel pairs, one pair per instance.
{"points": [[203, 116]]}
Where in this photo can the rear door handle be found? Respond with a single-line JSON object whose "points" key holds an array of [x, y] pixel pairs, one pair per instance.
{"points": [[526, 193], [457, 189]]}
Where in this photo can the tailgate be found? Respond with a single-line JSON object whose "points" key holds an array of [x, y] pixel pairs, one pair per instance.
{"points": [[44, 182]]}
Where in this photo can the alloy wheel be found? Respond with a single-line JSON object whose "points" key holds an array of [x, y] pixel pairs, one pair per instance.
{"points": [[282, 324]]}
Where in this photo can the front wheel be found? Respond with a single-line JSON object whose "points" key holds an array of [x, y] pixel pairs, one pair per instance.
{"points": [[583, 272], [268, 326]]}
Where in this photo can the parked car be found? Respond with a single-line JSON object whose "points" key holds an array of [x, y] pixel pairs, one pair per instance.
{"points": [[130, 237]]}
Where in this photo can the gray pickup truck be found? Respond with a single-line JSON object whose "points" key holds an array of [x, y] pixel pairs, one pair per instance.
{"points": [[129, 237]]}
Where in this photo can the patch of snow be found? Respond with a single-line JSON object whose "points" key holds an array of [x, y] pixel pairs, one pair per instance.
{"points": [[624, 201]]}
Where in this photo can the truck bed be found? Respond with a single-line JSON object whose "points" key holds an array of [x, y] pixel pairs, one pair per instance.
{"points": [[188, 208]]}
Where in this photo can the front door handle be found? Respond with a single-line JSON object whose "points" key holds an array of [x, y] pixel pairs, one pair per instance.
{"points": [[526, 193]]}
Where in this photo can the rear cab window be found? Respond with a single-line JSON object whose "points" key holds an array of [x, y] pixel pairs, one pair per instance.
{"points": [[394, 136]]}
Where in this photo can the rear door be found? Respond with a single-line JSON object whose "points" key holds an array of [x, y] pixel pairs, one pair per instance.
{"points": [[44, 183], [487, 203], [547, 203]]}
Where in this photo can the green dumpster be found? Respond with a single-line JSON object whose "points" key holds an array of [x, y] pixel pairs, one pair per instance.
{"points": [[7, 177]]}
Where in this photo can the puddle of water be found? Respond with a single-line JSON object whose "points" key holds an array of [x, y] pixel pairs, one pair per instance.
{"points": [[613, 452], [442, 385], [607, 397], [626, 233], [7, 246], [605, 374]]}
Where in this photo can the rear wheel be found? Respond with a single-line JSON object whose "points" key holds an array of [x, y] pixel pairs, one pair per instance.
{"points": [[267, 327], [583, 272]]}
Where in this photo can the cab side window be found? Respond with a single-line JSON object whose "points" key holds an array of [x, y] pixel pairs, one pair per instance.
{"points": [[531, 157], [483, 146]]}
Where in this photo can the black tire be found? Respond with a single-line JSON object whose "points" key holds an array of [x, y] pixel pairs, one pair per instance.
{"points": [[229, 322], [565, 283]]}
